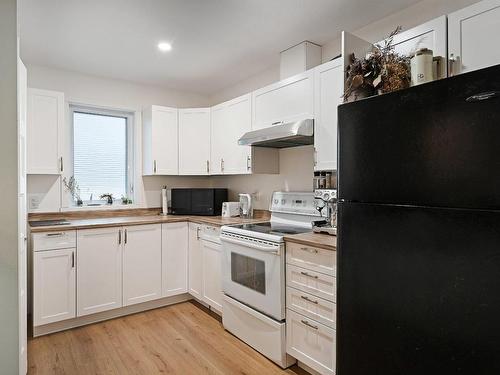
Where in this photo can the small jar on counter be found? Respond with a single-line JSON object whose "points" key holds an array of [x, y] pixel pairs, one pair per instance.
{"points": [[328, 180]]}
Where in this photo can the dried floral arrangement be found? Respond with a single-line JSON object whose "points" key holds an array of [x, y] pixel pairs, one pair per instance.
{"points": [[72, 186], [381, 71]]}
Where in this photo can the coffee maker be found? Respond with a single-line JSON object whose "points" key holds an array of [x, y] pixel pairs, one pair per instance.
{"points": [[326, 204]]}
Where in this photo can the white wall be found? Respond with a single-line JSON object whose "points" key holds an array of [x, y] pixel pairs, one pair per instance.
{"points": [[116, 94], [9, 299]]}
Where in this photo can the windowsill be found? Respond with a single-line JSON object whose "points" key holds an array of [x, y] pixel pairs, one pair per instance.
{"points": [[104, 207]]}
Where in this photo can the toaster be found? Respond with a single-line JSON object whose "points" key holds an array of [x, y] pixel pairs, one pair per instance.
{"points": [[230, 209]]}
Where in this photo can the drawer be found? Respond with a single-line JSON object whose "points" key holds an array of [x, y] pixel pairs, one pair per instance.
{"points": [[54, 240], [313, 307], [315, 283], [310, 342], [319, 260]]}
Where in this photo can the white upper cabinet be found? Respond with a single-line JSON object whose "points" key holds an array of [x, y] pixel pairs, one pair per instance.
{"points": [[141, 263], [160, 150], [328, 91], [194, 141], [285, 101], [174, 259], [230, 120], [45, 131], [472, 32], [99, 270]]}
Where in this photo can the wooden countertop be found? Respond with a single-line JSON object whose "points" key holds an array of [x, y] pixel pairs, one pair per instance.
{"points": [[103, 222], [323, 241]]}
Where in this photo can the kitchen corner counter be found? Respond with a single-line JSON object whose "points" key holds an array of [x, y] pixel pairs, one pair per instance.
{"points": [[323, 241], [103, 222]]}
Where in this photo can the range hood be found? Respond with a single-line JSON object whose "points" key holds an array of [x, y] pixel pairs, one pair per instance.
{"points": [[292, 134]]}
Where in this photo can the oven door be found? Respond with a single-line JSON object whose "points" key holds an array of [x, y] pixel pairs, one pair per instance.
{"points": [[253, 273]]}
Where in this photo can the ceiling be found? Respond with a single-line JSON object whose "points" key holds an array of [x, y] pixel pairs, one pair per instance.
{"points": [[216, 43]]}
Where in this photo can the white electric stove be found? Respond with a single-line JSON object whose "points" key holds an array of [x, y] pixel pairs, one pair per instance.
{"points": [[253, 273]]}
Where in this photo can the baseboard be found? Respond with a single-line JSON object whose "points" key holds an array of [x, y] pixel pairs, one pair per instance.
{"points": [[106, 315]]}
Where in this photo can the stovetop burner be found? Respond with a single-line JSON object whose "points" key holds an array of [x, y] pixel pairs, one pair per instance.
{"points": [[270, 228]]}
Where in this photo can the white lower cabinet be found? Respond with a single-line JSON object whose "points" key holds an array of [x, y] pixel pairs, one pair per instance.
{"points": [[310, 342], [174, 259], [195, 261], [99, 270], [141, 263], [212, 285], [54, 285]]}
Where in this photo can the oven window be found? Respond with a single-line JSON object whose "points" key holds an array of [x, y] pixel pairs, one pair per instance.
{"points": [[248, 272]]}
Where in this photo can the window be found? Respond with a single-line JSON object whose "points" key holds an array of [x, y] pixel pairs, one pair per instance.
{"points": [[102, 152]]}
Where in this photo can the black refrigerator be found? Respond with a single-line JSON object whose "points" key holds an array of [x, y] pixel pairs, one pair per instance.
{"points": [[419, 230]]}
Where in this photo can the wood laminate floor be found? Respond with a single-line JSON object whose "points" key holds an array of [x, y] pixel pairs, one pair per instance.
{"points": [[179, 339]]}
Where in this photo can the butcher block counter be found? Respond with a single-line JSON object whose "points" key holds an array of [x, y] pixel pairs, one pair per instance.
{"points": [[323, 241]]}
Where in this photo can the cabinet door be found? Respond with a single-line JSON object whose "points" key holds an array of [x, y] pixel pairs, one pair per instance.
{"points": [[141, 263], [45, 119], [219, 124], [195, 261], [174, 259], [53, 286], [194, 141], [328, 87], [212, 282], [470, 33], [99, 270], [285, 101]]}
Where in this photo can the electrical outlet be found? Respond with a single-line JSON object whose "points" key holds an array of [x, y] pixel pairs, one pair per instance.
{"points": [[34, 201]]}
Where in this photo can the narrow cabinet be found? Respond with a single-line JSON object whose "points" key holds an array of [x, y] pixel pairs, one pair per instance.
{"points": [[470, 33], [45, 132], [212, 286], [195, 261], [54, 285], [174, 260], [328, 91], [194, 141], [141, 263], [286, 101], [99, 270], [160, 141]]}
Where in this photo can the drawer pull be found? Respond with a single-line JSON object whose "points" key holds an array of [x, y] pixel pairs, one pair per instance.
{"points": [[59, 234], [314, 251], [308, 275], [309, 324], [309, 300]]}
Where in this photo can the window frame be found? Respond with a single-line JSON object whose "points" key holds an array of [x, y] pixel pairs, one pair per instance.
{"points": [[130, 149]]}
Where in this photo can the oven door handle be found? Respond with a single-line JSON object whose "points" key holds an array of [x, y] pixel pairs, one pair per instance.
{"points": [[268, 249]]}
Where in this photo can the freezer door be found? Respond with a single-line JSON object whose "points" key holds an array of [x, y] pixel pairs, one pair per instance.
{"points": [[425, 146], [418, 291]]}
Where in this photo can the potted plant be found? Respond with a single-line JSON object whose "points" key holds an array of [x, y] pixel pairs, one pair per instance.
{"points": [[72, 186]]}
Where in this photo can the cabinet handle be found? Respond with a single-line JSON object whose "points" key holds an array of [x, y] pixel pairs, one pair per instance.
{"points": [[248, 163], [154, 166], [314, 251], [72, 259], [308, 275], [120, 237], [306, 298], [198, 233], [62, 163], [222, 165], [125, 240], [315, 155], [309, 324], [58, 234], [208, 166], [277, 123]]}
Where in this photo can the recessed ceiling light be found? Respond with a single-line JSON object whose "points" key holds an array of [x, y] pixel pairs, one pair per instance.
{"points": [[164, 46]]}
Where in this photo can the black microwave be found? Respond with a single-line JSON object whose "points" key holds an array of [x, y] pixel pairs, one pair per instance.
{"points": [[198, 201]]}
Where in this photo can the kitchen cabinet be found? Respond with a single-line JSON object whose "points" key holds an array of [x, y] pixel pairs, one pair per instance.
{"points": [[230, 120], [99, 270], [328, 91], [45, 132], [54, 285], [470, 33], [141, 263], [160, 151], [285, 101], [195, 261], [174, 245], [212, 279], [194, 141]]}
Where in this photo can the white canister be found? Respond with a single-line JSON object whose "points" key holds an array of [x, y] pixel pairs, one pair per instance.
{"points": [[422, 67]]}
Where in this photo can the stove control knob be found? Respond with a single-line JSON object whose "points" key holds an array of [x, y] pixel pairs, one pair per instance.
{"points": [[276, 201]]}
